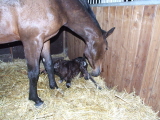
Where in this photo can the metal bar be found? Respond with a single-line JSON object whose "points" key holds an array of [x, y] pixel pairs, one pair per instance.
{"points": [[120, 1], [143, 2]]}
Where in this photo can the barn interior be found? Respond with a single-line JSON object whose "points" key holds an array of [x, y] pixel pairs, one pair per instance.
{"points": [[130, 77]]}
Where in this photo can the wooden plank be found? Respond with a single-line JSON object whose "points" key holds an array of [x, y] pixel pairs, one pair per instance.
{"points": [[111, 23], [113, 45], [152, 60], [75, 45], [80, 48], [116, 55], [133, 39], [122, 46], [70, 44], [153, 72], [105, 20], [143, 47], [154, 99]]}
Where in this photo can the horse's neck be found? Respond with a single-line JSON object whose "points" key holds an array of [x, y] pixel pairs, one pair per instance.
{"points": [[80, 20]]}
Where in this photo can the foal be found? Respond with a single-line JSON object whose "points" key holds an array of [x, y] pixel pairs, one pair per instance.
{"points": [[68, 69]]}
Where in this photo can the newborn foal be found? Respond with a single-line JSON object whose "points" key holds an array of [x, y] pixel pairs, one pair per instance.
{"points": [[68, 69]]}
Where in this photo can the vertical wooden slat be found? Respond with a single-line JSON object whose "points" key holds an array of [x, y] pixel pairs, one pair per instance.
{"points": [[133, 39], [70, 39], [124, 46], [116, 43], [152, 60], [122, 49], [154, 99], [143, 46], [152, 73], [81, 46], [111, 42], [105, 20], [75, 44], [115, 49], [116, 56]]}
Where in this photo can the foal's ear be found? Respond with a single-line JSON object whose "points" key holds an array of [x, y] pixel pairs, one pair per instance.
{"points": [[108, 33]]}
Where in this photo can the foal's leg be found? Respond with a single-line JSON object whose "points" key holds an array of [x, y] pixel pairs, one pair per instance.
{"points": [[48, 63], [68, 81], [32, 49]]}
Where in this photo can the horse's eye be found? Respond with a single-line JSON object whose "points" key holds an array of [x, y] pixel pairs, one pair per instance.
{"points": [[106, 48]]}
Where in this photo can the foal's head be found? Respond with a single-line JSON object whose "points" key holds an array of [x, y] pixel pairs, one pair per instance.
{"points": [[95, 51]]}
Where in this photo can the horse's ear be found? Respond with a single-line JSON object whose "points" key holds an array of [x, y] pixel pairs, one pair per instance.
{"points": [[106, 34]]}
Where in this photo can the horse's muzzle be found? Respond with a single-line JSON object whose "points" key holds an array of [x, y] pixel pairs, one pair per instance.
{"points": [[96, 72]]}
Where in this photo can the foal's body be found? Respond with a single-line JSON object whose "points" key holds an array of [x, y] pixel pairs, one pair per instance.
{"points": [[35, 21], [68, 69]]}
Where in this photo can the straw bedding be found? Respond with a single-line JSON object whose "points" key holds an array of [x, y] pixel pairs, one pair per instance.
{"points": [[80, 102]]}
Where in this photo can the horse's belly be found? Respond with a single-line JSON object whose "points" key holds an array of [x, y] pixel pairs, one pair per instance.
{"points": [[8, 38], [8, 31]]}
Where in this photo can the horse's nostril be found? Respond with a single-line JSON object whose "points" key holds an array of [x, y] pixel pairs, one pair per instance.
{"points": [[95, 73]]}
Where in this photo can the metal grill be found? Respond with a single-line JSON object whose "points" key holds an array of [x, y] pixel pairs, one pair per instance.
{"points": [[107, 1]]}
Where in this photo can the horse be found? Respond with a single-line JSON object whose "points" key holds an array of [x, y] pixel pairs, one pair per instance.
{"points": [[34, 22]]}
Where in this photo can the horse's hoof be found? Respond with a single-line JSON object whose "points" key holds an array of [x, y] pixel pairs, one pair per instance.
{"points": [[86, 78], [54, 86], [68, 85], [60, 81], [99, 88], [39, 104]]}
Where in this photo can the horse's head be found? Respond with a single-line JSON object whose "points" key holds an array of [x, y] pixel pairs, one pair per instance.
{"points": [[95, 51]]}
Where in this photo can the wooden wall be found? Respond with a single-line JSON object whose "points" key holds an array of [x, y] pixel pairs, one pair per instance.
{"points": [[132, 61]]}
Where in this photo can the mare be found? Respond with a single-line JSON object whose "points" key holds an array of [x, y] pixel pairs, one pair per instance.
{"points": [[34, 22]]}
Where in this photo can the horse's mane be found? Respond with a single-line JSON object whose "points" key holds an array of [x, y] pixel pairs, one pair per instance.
{"points": [[89, 10]]}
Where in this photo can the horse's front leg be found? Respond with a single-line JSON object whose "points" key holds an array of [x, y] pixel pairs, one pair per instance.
{"points": [[32, 49], [48, 63]]}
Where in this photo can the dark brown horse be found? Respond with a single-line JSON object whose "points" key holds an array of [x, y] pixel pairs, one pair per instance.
{"points": [[35, 21]]}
